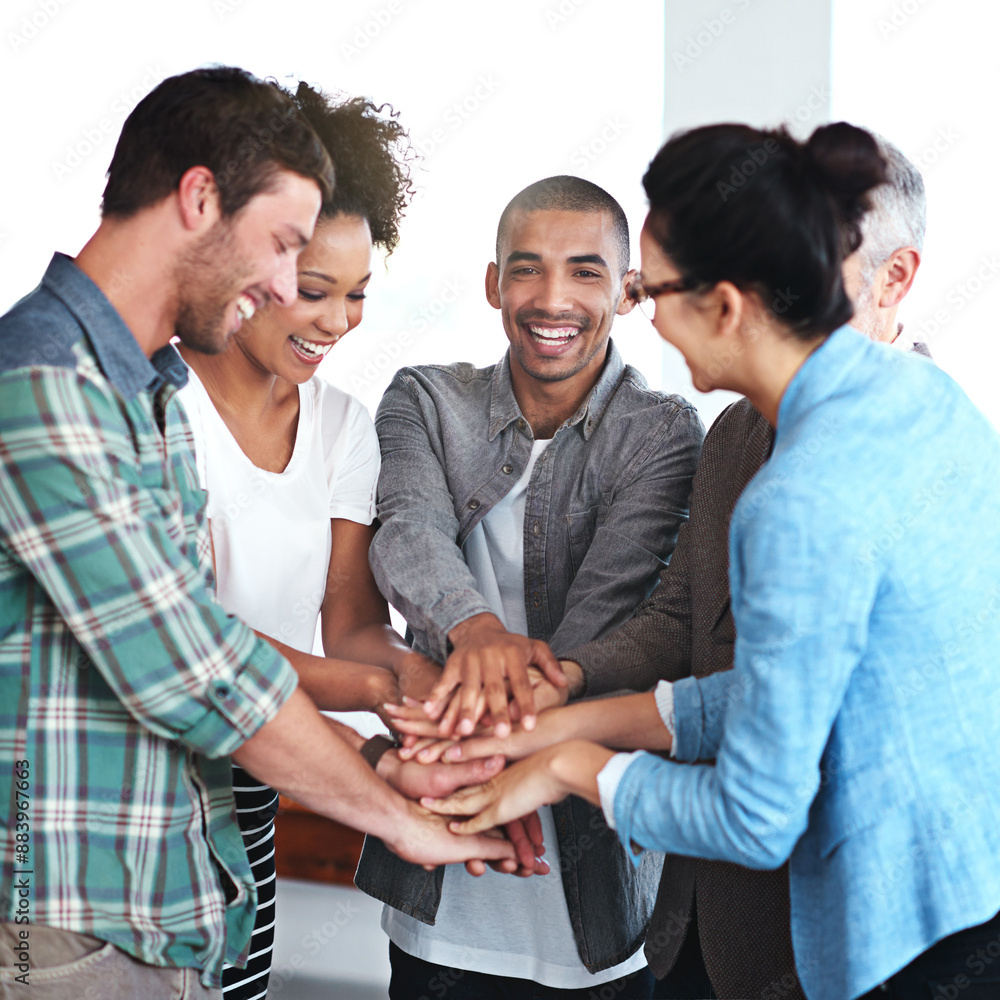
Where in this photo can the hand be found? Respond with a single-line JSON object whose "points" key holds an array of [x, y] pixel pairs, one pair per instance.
{"points": [[554, 726], [526, 836], [424, 839], [435, 780], [485, 660], [520, 789], [416, 675]]}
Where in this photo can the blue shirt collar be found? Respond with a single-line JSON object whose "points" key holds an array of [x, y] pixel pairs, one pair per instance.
{"points": [[504, 409], [821, 373], [117, 351]]}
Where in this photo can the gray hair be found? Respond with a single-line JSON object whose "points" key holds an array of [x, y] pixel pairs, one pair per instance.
{"points": [[898, 216]]}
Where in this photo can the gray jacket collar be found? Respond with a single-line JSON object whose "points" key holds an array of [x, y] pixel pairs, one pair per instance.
{"points": [[504, 409]]}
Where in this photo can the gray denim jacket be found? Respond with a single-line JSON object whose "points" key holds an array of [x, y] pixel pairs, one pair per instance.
{"points": [[603, 507]]}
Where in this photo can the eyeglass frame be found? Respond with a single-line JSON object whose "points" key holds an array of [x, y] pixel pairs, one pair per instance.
{"points": [[640, 293]]}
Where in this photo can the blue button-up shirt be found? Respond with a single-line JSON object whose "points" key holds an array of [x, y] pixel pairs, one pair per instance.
{"points": [[857, 732], [123, 685]]}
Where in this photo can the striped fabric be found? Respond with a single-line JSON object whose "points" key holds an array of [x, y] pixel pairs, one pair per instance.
{"points": [[122, 683], [256, 807]]}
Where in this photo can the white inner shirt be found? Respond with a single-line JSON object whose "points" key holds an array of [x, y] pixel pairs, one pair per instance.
{"points": [[500, 924], [271, 530]]}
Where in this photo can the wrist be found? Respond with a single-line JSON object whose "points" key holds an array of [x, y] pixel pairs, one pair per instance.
{"points": [[575, 675], [574, 767], [485, 621]]}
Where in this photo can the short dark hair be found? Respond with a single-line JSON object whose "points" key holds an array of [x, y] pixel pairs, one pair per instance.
{"points": [[757, 208], [565, 193], [241, 128], [371, 154]]}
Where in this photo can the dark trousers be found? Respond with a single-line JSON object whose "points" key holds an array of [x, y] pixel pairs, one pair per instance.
{"points": [[688, 979], [965, 965], [415, 979]]}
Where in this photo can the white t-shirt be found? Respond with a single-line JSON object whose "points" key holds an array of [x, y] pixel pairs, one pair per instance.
{"points": [[500, 924], [271, 530]]}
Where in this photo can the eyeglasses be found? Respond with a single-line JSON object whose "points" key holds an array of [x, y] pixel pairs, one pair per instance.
{"points": [[645, 296]]}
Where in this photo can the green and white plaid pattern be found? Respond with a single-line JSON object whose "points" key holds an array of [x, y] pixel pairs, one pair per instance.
{"points": [[122, 683]]}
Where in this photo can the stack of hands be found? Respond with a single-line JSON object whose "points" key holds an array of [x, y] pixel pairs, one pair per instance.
{"points": [[491, 704]]}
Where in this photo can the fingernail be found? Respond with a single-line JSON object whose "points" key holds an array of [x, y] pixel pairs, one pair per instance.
{"points": [[465, 727], [529, 722], [453, 754], [426, 800], [391, 708], [502, 730]]}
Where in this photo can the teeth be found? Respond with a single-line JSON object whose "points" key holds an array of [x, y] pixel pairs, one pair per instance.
{"points": [[309, 348], [553, 335], [246, 307]]}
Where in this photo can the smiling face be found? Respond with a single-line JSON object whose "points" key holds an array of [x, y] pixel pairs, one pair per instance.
{"points": [[333, 272], [244, 261], [677, 319], [558, 287]]}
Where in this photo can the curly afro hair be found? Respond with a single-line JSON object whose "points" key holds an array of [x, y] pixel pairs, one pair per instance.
{"points": [[371, 155]]}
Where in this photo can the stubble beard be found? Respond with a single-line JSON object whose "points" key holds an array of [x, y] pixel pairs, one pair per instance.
{"points": [[209, 275]]}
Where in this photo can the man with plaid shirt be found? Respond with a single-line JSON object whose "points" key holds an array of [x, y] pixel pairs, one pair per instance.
{"points": [[124, 688]]}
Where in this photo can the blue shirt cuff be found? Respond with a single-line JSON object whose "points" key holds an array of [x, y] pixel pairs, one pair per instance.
{"points": [[608, 779], [629, 785]]}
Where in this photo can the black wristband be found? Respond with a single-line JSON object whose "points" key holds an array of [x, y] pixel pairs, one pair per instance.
{"points": [[373, 749]]}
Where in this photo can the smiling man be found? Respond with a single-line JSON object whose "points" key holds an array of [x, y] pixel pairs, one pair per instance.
{"points": [[124, 687], [528, 504]]}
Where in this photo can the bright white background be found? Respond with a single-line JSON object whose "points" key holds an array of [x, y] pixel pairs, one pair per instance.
{"points": [[518, 91]]}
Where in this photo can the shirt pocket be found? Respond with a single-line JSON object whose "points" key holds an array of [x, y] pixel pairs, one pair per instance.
{"points": [[581, 526]]}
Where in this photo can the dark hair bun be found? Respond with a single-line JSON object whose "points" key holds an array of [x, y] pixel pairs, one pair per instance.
{"points": [[770, 214], [848, 161]]}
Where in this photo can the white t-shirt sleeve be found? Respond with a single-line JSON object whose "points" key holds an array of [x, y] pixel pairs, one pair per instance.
{"points": [[192, 397], [354, 463]]}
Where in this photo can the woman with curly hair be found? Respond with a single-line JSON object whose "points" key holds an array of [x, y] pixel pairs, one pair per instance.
{"points": [[290, 464]]}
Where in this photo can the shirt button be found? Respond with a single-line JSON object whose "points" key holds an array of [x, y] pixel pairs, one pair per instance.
{"points": [[520, 425], [538, 603], [473, 505], [508, 469], [222, 690], [535, 529]]}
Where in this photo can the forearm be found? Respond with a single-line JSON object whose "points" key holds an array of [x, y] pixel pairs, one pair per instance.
{"points": [[576, 765], [339, 685], [629, 722], [298, 753]]}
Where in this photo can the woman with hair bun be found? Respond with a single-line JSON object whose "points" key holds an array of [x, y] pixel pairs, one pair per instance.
{"points": [[290, 464], [857, 733]]}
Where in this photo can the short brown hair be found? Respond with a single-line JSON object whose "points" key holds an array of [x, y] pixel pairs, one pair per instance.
{"points": [[241, 128]]}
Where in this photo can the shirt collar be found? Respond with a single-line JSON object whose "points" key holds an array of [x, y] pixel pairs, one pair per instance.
{"points": [[117, 351], [821, 373], [504, 409]]}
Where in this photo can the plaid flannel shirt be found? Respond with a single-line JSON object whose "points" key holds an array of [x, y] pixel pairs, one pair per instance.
{"points": [[123, 685]]}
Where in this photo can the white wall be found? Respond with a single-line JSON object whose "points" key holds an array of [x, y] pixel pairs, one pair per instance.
{"points": [[496, 96], [925, 73]]}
